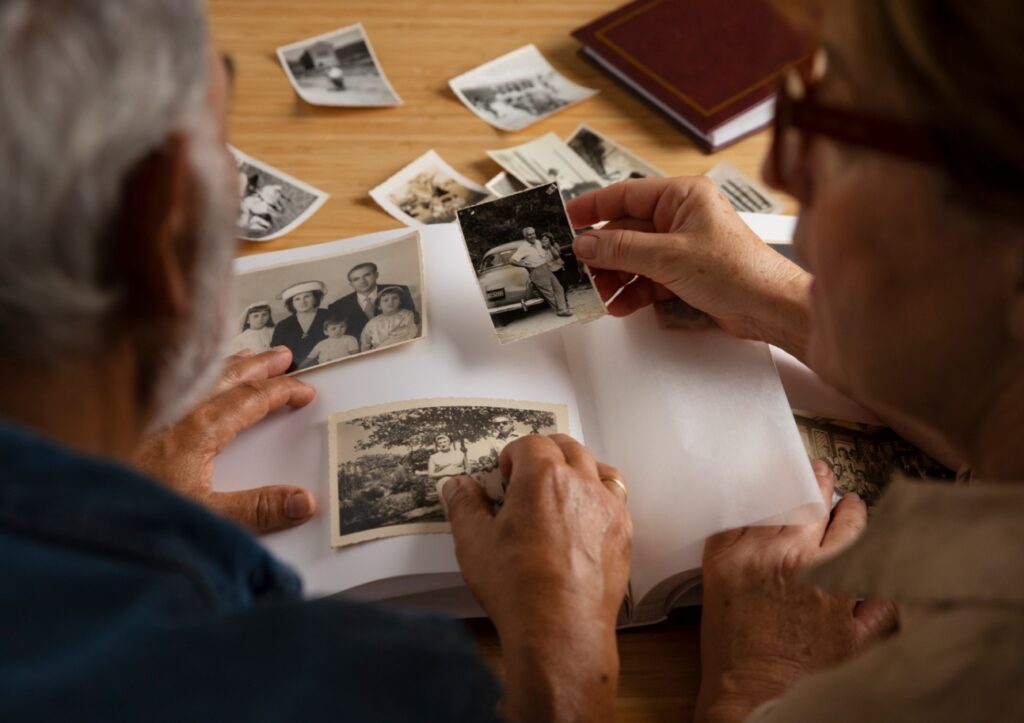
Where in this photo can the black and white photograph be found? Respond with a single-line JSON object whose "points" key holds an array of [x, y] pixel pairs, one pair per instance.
{"points": [[612, 162], [273, 203], [503, 185], [521, 250], [334, 308], [548, 159], [386, 462], [338, 69], [517, 90], [744, 193], [864, 457], [427, 191]]}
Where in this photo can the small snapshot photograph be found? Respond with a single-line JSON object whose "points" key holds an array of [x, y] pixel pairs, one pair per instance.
{"points": [[333, 308], [612, 162], [521, 250], [743, 192], [503, 185], [517, 90], [273, 203], [338, 69], [427, 191], [386, 462], [863, 457], [549, 159]]}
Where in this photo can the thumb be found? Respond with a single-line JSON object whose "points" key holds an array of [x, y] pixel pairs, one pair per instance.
{"points": [[875, 619], [266, 509], [627, 250], [466, 505]]}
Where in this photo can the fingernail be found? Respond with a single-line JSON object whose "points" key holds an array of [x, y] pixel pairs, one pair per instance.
{"points": [[820, 468], [585, 246], [245, 353], [850, 496], [298, 506], [280, 349], [444, 491]]}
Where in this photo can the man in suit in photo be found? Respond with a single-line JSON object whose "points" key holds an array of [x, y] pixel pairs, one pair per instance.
{"points": [[361, 305]]}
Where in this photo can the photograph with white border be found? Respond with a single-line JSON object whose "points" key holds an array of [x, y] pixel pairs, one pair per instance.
{"points": [[273, 203], [333, 308], [339, 69], [427, 191], [520, 247], [744, 193], [503, 185], [517, 90], [548, 159], [610, 160], [386, 461]]}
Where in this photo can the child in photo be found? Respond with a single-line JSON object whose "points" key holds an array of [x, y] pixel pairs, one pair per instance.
{"points": [[257, 330], [392, 325], [337, 345]]}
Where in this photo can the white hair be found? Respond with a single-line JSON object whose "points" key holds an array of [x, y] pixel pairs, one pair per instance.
{"points": [[89, 88]]}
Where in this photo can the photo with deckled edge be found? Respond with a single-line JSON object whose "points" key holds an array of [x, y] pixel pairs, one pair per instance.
{"points": [[427, 191]]}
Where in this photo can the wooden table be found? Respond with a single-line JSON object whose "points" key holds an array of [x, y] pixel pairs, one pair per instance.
{"points": [[422, 44]]}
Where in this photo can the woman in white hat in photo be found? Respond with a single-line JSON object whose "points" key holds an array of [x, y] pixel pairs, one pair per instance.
{"points": [[304, 328]]}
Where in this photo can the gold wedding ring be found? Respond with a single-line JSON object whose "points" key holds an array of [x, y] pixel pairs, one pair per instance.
{"points": [[618, 483]]}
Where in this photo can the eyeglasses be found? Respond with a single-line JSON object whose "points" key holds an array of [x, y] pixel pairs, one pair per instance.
{"points": [[799, 117]]}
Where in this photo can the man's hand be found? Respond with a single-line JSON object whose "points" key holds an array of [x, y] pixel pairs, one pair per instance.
{"points": [[551, 570], [761, 629], [182, 455]]}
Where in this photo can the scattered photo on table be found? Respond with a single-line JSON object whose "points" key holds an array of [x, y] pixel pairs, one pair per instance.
{"points": [[612, 162], [864, 457], [386, 461], [517, 90], [521, 250], [273, 203], [334, 308], [427, 191], [503, 185], [743, 192], [549, 159], [338, 69]]}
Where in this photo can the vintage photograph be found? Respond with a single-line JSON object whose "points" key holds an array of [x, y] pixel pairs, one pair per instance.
{"points": [[549, 159], [273, 203], [338, 69], [612, 162], [386, 462], [517, 90], [427, 191], [521, 250], [503, 185], [333, 308], [864, 457], [743, 192]]}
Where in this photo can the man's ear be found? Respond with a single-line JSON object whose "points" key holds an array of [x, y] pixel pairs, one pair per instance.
{"points": [[153, 249]]}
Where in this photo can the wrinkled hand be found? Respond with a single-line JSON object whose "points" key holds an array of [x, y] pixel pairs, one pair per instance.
{"points": [[683, 239], [762, 630], [182, 455], [551, 569]]}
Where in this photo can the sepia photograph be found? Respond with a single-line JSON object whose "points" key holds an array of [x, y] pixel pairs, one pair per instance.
{"points": [[503, 185], [521, 250], [333, 308], [517, 90], [427, 191], [386, 462], [338, 69], [743, 192], [549, 159], [273, 203], [864, 457], [612, 162]]}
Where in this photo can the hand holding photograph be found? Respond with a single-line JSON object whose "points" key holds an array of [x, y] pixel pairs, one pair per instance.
{"points": [[386, 461], [548, 159], [521, 250], [273, 203], [427, 191], [339, 69]]}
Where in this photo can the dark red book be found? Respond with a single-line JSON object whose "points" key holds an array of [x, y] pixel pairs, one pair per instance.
{"points": [[710, 65]]}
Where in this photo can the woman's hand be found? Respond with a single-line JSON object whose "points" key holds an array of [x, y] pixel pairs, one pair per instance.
{"points": [[683, 239], [761, 629], [182, 455], [551, 569]]}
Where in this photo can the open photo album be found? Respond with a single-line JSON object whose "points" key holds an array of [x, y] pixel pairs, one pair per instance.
{"points": [[698, 423]]}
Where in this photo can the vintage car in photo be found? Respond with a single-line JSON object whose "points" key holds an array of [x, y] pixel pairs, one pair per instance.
{"points": [[507, 288]]}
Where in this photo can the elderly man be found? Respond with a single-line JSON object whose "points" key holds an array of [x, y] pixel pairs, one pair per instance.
{"points": [[535, 257], [123, 598]]}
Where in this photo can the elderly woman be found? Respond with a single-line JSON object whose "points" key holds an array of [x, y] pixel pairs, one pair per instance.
{"points": [[903, 145], [304, 329]]}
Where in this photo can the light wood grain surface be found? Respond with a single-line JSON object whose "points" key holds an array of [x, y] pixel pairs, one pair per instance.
{"points": [[421, 45]]}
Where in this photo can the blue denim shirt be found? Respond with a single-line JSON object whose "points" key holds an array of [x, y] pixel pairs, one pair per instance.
{"points": [[122, 601]]}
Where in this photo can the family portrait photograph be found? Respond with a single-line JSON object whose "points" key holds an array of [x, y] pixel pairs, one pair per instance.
{"points": [[334, 308], [548, 159], [427, 191], [338, 69], [273, 203], [386, 461], [517, 90], [521, 250], [612, 162]]}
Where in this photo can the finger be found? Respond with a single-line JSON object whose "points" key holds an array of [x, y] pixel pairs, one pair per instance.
{"points": [[634, 252], [635, 198], [266, 509], [848, 521], [630, 224], [253, 368], [636, 296], [815, 531], [607, 472], [874, 619], [467, 507], [527, 463]]}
